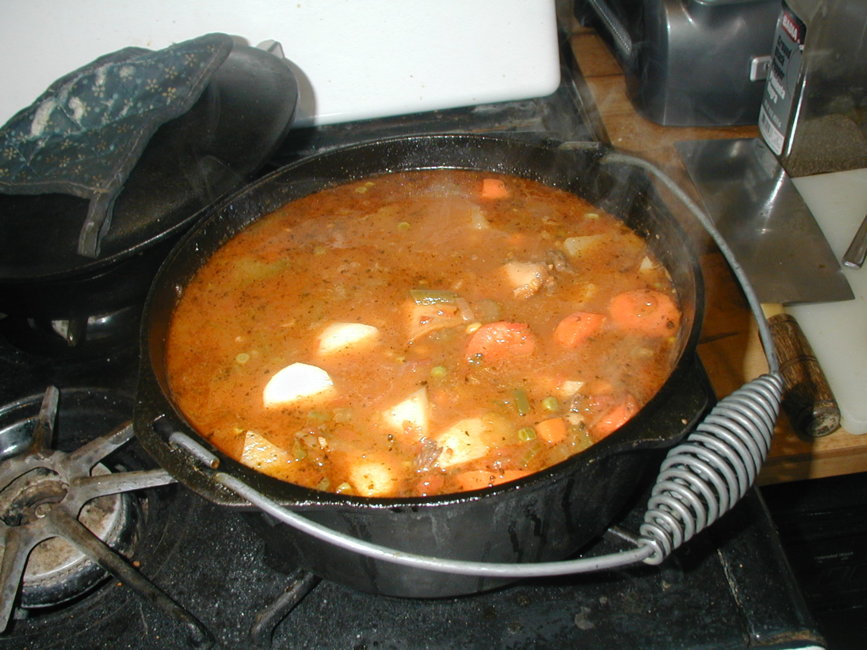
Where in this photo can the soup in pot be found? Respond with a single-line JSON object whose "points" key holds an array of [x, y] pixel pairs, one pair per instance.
{"points": [[422, 333]]}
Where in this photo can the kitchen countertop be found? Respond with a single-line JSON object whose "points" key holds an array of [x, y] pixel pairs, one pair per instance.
{"points": [[729, 347]]}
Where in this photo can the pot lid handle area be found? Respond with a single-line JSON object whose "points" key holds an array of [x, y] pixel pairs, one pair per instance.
{"points": [[86, 132]]}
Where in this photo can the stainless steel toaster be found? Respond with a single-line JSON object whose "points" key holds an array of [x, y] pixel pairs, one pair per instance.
{"points": [[689, 62]]}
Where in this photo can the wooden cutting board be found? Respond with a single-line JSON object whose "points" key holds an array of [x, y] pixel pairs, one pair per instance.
{"points": [[838, 331]]}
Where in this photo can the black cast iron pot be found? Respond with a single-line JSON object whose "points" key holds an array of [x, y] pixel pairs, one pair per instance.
{"points": [[545, 516], [216, 147]]}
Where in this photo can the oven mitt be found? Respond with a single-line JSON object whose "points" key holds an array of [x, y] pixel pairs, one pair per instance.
{"points": [[86, 132]]}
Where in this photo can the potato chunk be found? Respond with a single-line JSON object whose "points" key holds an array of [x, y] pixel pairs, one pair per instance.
{"points": [[338, 337], [477, 219], [526, 278], [582, 244], [411, 415], [296, 382], [373, 478], [462, 442], [260, 453]]}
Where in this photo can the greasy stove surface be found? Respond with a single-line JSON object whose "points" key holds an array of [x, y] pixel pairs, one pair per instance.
{"points": [[701, 599]]}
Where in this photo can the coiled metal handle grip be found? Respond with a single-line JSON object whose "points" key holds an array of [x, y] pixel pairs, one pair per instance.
{"points": [[704, 476]]}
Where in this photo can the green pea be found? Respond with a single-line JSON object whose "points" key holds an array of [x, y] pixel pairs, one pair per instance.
{"points": [[551, 404], [438, 372]]}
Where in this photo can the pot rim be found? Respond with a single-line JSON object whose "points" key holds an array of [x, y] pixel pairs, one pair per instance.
{"points": [[154, 428]]}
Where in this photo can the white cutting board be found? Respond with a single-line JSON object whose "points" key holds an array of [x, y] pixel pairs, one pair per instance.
{"points": [[354, 59], [838, 331]]}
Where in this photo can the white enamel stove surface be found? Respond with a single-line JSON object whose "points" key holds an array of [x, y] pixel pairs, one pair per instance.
{"points": [[355, 59]]}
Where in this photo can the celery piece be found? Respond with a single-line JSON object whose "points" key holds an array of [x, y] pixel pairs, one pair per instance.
{"points": [[433, 296], [298, 451], [521, 401], [317, 416]]}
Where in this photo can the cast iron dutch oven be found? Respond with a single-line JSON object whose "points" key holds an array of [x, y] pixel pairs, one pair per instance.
{"points": [[542, 517]]}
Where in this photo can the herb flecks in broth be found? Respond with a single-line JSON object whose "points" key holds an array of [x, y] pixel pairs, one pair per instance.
{"points": [[422, 333]]}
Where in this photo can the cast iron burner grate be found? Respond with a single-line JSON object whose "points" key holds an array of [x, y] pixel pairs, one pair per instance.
{"points": [[72, 519], [65, 517]]}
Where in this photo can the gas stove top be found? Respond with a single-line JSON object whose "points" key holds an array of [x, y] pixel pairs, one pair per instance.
{"points": [[210, 577]]}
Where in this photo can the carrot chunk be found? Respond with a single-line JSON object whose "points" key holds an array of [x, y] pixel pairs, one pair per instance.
{"points": [[477, 479], [552, 430], [474, 479], [494, 188], [613, 419], [430, 484], [501, 340], [511, 475], [645, 311], [577, 327]]}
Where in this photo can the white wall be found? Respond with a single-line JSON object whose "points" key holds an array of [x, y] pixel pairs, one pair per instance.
{"points": [[355, 58]]}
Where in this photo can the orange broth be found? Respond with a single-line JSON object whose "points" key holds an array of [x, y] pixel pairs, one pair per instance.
{"points": [[421, 333]]}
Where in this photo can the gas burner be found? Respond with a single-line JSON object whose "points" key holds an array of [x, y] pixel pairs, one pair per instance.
{"points": [[66, 518], [44, 503], [57, 571]]}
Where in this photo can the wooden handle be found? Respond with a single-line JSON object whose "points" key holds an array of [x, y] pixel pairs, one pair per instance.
{"points": [[807, 397]]}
